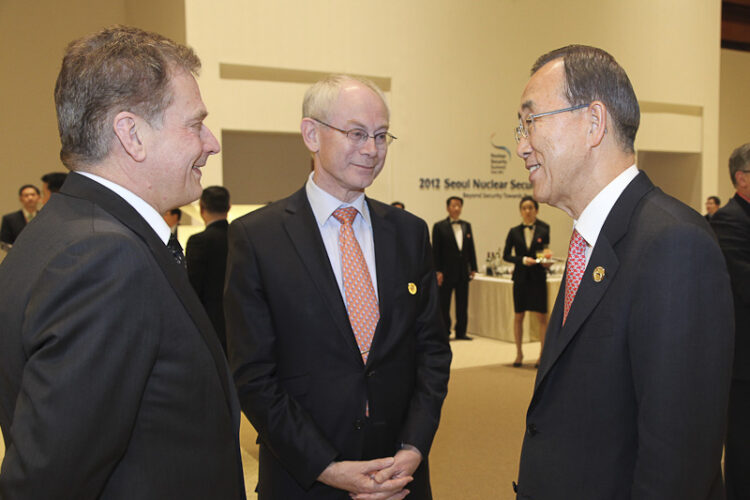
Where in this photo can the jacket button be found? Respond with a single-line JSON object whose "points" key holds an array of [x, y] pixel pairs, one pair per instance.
{"points": [[371, 373], [358, 424], [531, 428]]}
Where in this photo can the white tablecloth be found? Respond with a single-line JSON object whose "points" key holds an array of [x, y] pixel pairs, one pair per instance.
{"points": [[491, 308]]}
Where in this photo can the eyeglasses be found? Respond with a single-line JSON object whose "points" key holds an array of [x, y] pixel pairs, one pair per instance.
{"points": [[522, 131], [358, 137]]}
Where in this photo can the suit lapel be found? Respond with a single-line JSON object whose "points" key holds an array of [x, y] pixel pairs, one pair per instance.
{"points": [[81, 187], [302, 229], [590, 291], [384, 238]]}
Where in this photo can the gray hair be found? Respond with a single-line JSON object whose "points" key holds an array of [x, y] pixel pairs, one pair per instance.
{"points": [[119, 68], [738, 161], [321, 96]]}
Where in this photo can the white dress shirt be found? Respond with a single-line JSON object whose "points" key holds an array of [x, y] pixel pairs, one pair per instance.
{"points": [[590, 223], [458, 233], [323, 205], [153, 218]]}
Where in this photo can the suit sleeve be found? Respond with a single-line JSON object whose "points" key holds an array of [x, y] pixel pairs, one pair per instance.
{"points": [[196, 259], [680, 345], [90, 354], [734, 239], [437, 248], [508, 250], [432, 363], [6, 232], [472, 252], [287, 429]]}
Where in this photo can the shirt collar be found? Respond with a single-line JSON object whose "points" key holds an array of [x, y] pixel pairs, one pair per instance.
{"points": [[153, 218], [590, 223], [27, 214], [324, 204]]}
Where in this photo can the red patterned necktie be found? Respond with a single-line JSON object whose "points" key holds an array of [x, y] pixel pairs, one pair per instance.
{"points": [[361, 302], [574, 270]]}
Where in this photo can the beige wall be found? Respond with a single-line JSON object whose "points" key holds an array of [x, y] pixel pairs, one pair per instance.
{"points": [[734, 129], [456, 74], [33, 37]]}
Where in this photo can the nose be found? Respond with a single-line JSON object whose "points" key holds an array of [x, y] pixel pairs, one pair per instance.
{"points": [[369, 147], [523, 148], [210, 143]]}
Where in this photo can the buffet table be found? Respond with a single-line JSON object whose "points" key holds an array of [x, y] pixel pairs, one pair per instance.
{"points": [[491, 308]]}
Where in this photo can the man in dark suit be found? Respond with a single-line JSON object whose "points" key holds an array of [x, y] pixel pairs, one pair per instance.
{"points": [[112, 382], [51, 183], [206, 257], [333, 325], [13, 223], [731, 224], [631, 394], [455, 263], [712, 205]]}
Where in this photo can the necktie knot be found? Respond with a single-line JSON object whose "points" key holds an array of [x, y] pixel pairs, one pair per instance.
{"points": [[345, 215]]}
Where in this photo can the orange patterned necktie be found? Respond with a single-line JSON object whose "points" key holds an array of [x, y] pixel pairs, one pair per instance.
{"points": [[361, 302], [575, 269]]}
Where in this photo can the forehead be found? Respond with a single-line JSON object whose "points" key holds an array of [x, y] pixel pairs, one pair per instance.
{"points": [[28, 190], [545, 88], [359, 105], [528, 204], [186, 96]]}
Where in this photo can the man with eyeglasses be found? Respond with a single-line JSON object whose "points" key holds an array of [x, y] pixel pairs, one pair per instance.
{"points": [[631, 393], [731, 223], [339, 354]]}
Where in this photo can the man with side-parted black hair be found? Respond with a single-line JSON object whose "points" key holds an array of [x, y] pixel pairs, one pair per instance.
{"points": [[630, 399], [455, 264], [14, 222], [51, 183]]}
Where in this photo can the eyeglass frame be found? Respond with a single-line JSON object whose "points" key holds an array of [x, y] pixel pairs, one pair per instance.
{"points": [[522, 131], [388, 136]]}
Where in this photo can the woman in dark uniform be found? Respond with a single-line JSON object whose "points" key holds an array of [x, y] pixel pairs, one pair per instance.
{"points": [[524, 244]]}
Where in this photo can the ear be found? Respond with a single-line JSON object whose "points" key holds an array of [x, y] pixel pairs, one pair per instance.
{"points": [[126, 127], [598, 116], [310, 134]]}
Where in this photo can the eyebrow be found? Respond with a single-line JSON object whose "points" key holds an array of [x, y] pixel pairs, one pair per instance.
{"points": [[358, 124], [526, 105]]}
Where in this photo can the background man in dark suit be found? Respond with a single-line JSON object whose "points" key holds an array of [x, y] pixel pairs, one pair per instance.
{"points": [[112, 381], [172, 217], [335, 413], [631, 394], [712, 205], [206, 257], [455, 263], [51, 183], [524, 243], [731, 224], [13, 223]]}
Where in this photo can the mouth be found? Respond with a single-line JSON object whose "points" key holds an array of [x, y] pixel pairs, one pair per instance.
{"points": [[533, 168]]}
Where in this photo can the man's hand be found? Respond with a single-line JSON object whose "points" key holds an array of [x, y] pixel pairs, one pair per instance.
{"points": [[358, 478], [528, 261], [439, 278], [472, 274], [405, 462]]}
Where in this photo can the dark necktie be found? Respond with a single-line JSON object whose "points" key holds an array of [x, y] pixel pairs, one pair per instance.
{"points": [[176, 249]]}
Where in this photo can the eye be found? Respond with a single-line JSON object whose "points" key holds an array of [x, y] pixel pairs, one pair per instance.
{"points": [[358, 135], [381, 137]]}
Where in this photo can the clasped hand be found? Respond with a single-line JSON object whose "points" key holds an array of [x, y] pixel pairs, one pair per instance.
{"points": [[379, 479]]}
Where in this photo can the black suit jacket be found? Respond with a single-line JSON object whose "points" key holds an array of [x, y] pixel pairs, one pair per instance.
{"points": [[455, 264], [732, 227], [298, 370], [11, 227], [631, 394], [112, 382], [515, 250], [206, 258]]}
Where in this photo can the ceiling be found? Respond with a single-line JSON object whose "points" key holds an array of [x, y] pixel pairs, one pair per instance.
{"points": [[735, 24]]}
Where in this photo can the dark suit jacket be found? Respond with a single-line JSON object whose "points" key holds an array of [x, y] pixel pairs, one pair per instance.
{"points": [[455, 264], [112, 382], [732, 227], [297, 367], [206, 258], [631, 394], [11, 227], [515, 250]]}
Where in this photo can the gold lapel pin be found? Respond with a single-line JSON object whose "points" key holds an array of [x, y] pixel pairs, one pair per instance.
{"points": [[412, 288], [599, 274]]}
